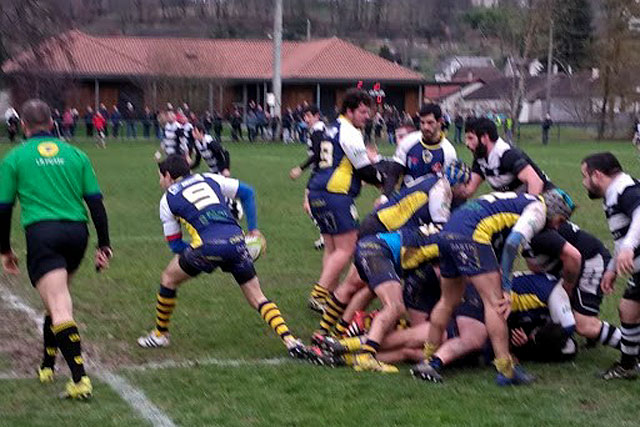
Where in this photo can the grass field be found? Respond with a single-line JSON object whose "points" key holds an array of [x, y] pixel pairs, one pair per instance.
{"points": [[214, 328]]}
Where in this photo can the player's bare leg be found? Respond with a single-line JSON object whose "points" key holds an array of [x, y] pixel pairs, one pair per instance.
{"points": [[54, 291]]}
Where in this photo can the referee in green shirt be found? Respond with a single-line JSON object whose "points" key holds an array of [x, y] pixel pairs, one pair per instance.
{"points": [[52, 179]]}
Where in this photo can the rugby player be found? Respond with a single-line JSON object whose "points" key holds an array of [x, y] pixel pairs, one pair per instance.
{"points": [[51, 179], [580, 259], [603, 178], [197, 200], [421, 152], [505, 168], [425, 201], [209, 149], [467, 254], [311, 116], [335, 183]]}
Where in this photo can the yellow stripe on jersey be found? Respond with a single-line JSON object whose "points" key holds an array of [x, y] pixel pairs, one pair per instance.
{"points": [[433, 146], [493, 224], [395, 216], [412, 257], [524, 302], [340, 180], [196, 241]]}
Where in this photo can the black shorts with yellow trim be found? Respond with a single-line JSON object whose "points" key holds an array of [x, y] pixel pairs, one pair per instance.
{"points": [[375, 263], [460, 255], [334, 213], [230, 254], [55, 244]]}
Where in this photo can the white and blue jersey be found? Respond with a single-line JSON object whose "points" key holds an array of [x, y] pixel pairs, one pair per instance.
{"points": [[420, 158]]}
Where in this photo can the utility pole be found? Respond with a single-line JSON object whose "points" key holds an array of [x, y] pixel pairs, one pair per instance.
{"points": [[276, 82], [549, 68]]}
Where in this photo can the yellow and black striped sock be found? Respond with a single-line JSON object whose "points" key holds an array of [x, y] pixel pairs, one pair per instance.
{"points": [[342, 326], [271, 314], [352, 344], [165, 304], [50, 345], [320, 293], [332, 312], [68, 340], [371, 347]]}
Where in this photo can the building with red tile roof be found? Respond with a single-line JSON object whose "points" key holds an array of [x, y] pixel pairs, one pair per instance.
{"points": [[218, 73]]}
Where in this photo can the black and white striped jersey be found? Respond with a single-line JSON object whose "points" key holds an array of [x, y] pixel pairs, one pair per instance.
{"points": [[172, 143], [621, 199], [502, 166], [214, 155]]}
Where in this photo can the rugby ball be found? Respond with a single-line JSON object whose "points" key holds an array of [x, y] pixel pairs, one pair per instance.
{"points": [[255, 245]]}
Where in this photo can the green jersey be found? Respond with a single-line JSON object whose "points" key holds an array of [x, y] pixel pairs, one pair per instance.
{"points": [[50, 178]]}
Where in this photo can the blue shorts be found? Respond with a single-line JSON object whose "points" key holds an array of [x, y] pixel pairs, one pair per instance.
{"points": [[334, 213], [471, 306], [375, 263], [421, 288], [230, 254], [461, 256]]}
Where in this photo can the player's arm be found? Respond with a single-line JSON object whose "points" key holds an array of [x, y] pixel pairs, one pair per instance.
{"points": [[314, 158], [171, 228], [440, 202], [196, 162], [395, 170], [517, 163], [233, 188], [356, 152], [630, 204], [530, 223], [469, 189], [8, 192], [571, 263]]}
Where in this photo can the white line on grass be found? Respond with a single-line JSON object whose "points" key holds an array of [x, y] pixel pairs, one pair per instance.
{"points": [[130, 394], [209, 361]]}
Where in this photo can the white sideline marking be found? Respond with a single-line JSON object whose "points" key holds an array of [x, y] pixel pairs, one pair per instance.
{"points": [[210, 361], [130, 394]]}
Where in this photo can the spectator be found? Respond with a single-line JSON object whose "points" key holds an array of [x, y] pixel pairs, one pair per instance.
{"points": [[147, 120], [391, 123], [75, 115], [368, 128], [57, 123], [67, 123], [261, 121], [186, 110], [378, 124], [116, 119], [207, 122], [100, 124], [546, 125], [287, 124], [217, 126], [157, 128], [236, 125], [129, 118], [508, 129], [252, 125], [88, 121], [105, 115], [275, 121], [458, 121], [13, 121]]}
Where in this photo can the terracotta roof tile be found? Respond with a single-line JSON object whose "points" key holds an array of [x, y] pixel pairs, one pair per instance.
{"points": [[326, 59]]}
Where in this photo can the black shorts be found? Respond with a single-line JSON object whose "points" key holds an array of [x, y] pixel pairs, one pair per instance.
{"points": [[55, 244], [421, 289], [633, 288]]}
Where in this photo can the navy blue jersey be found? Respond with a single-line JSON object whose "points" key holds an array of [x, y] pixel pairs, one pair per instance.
{"points": [[530, 299], [342, 151], [198, 203], [490, 218], [425, 200]]}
